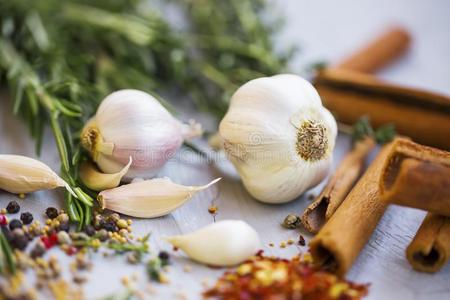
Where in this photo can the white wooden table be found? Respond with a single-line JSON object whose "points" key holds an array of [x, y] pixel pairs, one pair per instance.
{"points": [[326, 29]]}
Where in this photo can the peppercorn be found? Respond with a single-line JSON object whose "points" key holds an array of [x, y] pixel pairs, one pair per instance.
{"points": [[3, 220], [103, 235], [15, 224], [13, 207], [51, 212], [26, 218], [110, 226], [64, 226], [89, 230], [38, 250], [164, 256], [291, 221], [19, 241]]}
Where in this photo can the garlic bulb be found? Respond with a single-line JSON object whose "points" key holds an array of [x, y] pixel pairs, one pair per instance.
{"points": [[98, 181], [149, 198], [21, 175], [224, 243], [279, 137], [132, 123]]}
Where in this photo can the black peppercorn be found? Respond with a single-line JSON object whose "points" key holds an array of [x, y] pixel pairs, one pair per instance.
{"points": [[19, 241], [15, 224], [164, 256], [26, 218], [51, 212], [110, 226], [13, 207], [89, 230]]}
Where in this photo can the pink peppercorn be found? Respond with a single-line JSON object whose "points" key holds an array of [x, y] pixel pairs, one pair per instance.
{"points": [[3, 220]]}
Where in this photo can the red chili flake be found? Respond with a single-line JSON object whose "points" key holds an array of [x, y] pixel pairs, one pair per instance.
{"points": [[49, 241], [275, 278], [174, 248], [71, 250], [3, 220], [301, 240]]}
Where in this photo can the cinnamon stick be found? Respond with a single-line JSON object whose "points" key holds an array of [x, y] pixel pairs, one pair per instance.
{"points": [[424, 116], [430, 249], [342, 238], [417, 176], [382, 51], [338, 186]]}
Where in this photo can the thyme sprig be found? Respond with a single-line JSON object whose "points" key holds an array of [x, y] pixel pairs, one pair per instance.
{"points": [[381, 135]]}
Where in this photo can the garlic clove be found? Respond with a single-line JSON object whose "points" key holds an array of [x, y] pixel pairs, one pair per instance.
{"points": [[98, 181], [21, 175], [149, 198], [224, 243]]}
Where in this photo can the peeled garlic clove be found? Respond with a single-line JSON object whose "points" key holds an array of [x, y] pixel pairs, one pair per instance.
{"points": [[279, 137], [98, 181], [224, 243], [21, 175], [133, 123], [149, 198]]}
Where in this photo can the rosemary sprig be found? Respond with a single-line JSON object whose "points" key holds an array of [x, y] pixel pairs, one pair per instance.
{"points": [[7, 261]]}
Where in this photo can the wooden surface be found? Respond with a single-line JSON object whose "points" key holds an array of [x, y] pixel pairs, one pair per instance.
{"points": [[382, 262]]}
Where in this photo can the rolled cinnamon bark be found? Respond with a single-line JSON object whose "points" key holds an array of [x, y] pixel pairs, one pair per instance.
{"points": [[383, 50], [424, 116], [338, 186], [417, 176], [430, 249], [341, 239]]}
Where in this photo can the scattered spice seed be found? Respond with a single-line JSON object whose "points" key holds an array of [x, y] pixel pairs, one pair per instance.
{"points": [[283, 245], [311, 197], [26, 218], [271, 244], [51, 212], [13, 207], [301, 240], [3, 211], [213, 209], [291, 221]]}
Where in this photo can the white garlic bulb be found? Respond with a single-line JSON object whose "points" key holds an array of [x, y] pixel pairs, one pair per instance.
{"points": [[224, 243], [149, 198], [20, 175], [279, 137], [132, 123]]}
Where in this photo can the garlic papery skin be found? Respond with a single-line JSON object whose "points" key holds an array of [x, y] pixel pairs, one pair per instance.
{"points": [[21, 175], [224, 243], [132, 123], [279, 137], [149, 198], [98, 181]]}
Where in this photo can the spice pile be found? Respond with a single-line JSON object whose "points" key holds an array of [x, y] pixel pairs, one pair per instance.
{"points": [[109, 232], [264, 277]]}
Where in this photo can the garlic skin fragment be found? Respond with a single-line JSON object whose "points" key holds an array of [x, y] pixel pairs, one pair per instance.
{"points": [[224, 243], [132, 123], [98, 181], [21, 175], [279, 137], [149, 198]]}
